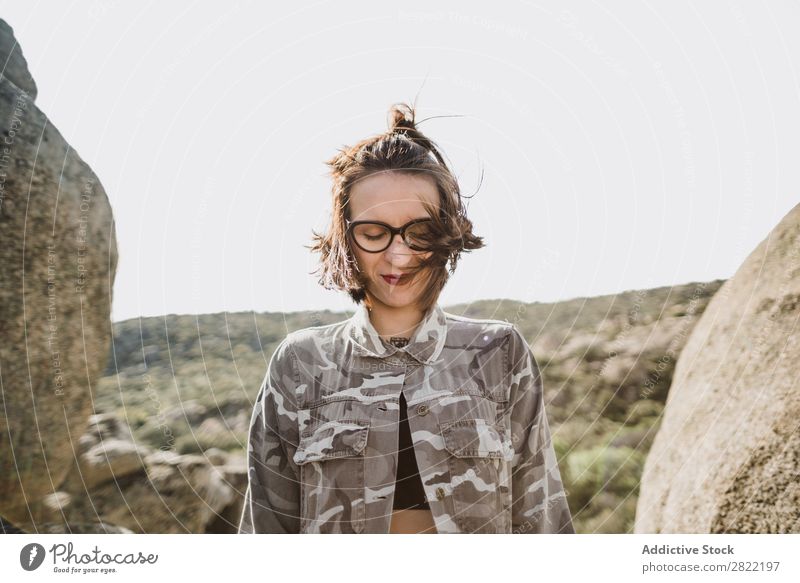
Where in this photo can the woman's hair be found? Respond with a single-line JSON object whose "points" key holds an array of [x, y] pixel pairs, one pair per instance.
{"points": [[405, 150]]}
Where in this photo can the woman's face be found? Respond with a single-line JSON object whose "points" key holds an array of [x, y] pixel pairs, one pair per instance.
{"points": [[394, 199]]}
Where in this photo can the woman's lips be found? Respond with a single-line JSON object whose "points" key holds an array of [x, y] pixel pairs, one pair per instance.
{"points": [[395, 280]]}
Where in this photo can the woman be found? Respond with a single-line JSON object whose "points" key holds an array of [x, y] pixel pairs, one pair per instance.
{"points": [[403, 418]]}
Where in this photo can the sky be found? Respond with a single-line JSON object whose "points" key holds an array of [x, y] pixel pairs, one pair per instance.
{"points": [[605, 146]]}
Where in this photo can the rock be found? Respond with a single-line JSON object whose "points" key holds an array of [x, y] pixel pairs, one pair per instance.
{"points": [[159, 492], [15, 67], [176, 494], [107, 425], [726, 458], [211, 427], [234, 475], [112, 458], [107, 451], [189, 411], [218, 457], [58, 234]]}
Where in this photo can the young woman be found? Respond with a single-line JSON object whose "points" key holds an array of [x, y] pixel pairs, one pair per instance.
{"points": [[403, 418]]}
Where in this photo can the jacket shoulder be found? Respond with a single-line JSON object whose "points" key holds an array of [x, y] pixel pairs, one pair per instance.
{"points": [[490, 328], [313, 341], [293, 355]]}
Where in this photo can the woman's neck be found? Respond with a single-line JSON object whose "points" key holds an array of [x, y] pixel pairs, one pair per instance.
{"points": [[389, 321]]}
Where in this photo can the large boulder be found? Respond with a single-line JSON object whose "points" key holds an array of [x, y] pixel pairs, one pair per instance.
{"points": [[727, 455], [58, 259]]}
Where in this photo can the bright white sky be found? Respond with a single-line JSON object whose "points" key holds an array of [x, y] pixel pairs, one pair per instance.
{"points": [[625, 145]]}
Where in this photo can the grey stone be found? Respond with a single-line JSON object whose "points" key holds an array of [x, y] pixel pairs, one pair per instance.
{"points": [[726, 458], [58, 259]]}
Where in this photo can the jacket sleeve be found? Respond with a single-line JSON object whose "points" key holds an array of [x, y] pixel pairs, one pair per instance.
{"points": [[539, 502], [272, 498]]}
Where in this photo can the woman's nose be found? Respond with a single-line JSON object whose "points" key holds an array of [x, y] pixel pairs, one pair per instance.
{"points": [[398, 249]]}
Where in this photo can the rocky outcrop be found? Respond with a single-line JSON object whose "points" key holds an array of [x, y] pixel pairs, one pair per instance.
{"points": [[727, 456], [118, 486], [58, 258]]}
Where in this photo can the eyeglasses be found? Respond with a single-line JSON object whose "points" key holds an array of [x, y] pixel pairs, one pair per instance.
{"points": [[376, 236]]}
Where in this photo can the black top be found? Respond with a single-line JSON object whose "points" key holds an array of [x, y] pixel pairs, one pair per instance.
{"points": [[408, 489]]}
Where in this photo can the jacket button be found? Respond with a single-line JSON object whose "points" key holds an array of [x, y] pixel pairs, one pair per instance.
{"points": [[439, 493], [422, 410]]}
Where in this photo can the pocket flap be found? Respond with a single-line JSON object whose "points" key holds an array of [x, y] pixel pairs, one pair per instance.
{"points": [[476, 438], [332, 439]]}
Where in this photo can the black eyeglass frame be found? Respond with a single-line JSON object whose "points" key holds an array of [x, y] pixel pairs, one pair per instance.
{"points": [[392, 230]]}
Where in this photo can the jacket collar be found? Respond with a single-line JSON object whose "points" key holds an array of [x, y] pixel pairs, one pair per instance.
{"points": [[424, 346]]}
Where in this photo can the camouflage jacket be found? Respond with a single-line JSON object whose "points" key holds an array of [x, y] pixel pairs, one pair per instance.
{"points": [[322, 451]]}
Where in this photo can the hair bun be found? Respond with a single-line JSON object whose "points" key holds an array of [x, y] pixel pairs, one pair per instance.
{"points": [[401, 118]]}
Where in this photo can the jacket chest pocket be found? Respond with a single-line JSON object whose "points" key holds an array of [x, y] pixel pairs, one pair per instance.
{"points": [[331, 458], [478, 460]]}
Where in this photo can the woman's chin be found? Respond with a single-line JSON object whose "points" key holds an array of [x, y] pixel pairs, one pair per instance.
{"points": [[398, 302], [399, 298]]}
